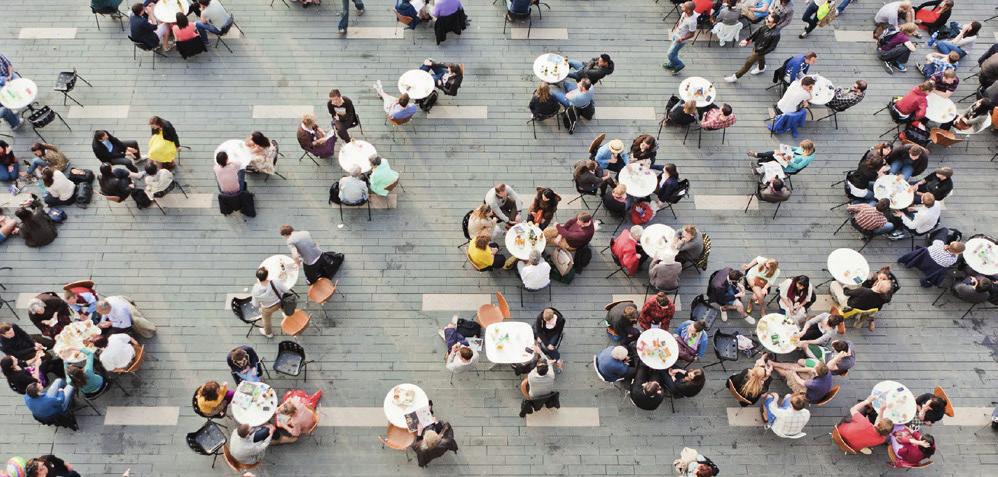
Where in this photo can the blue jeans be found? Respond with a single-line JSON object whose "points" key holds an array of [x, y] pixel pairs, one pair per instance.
{"points": [[10, 175], [437, 72], [68, 391], [452, 337], [560, 96], [886, 229], [673, 55], [905, 167], [575, 65], [11, 117], [945, 47], [842, 6], [345, 18]]}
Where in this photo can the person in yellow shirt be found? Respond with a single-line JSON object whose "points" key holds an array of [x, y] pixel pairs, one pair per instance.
{"points": [[163, 143], [212, 398], [482, 254]]}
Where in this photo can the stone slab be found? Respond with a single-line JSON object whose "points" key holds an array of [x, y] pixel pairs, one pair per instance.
{"points": [[454, 302], [724, 202], [458, 112], [538, 34], [565, 417], [38, 33], [95, 111], [281, 111], [352, 417], [625, 113], [141, 416]]}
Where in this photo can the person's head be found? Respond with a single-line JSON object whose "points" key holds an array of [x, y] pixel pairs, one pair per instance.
{"points": [[151, 168], [647, 142], [584, 84], [972, 29], [543, 92], [689, 231], [930, 447], [956, 247], [545, 194], [36, 307], [77, 377], [840, 346], [662, 298], [652, 388], [103, 307], [258, 139], [821, 369], [261, 274], [726, 109], [355, 172], [38, 149], [240, 358], [928, 199], [908, 28], [983, 284], [754, 382], [286, 230], [777, 184], [500, 191], [620, 191], [949, 76], [375, 161], [926, 86], [808, 146], [981, 106], [616, 146], [734, 276], [698, 326], [915, 152], [771, 21], [204, 3], [4, 147], [222, 158], [884, 426], [404, 99], [548, 315], [671, 171], [704, 470], [105, 170], [801, 283], [99, 135], [466, 353], [770, 267], [454, 69], [860, 85], [287, 409], [243, 430], [584, 218], [6, 330], [883, 206], [631, 312], [482, 240], [182, 20], [34, 389], [535, 258], [542, 368], [209, 391], [688, 7], [953, 57], [137, 9], [431, 439], [692, 383], [834, 320], [8, 365], [482, 211], [811, 58], [808, 82], [945, 5], [308, 120], [618, 353], [335, 97], [690, 107], [798, 401], [636, 232], [156, 123], [48, 176], [603, 60], [882, 287], [944, 173], [731, 3]]}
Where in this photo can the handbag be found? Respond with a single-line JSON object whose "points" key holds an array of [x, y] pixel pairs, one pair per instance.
{"points": [[288, 301]]}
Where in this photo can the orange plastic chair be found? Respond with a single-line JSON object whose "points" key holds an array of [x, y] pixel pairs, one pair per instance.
{"points": [[295, 324], [828, 397], [234, 464], [399, 439], [734, 392], [523, 389], [938, 392], [837, 439], [322, 291], [489, 314], [140, 356]]}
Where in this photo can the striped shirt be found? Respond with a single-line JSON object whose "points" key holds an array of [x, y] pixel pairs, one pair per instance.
{"points": [[867, 216], [6, 68], [940, 255]]}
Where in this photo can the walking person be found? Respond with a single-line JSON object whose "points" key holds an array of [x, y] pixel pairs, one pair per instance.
{"points": [[316, 262], [266, 295], [764, 41], [685, 28], [345, 15]]}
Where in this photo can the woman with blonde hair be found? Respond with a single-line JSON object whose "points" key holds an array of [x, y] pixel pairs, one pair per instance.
{"points": [[542, 104], [313, 139], [435, 441], [615, 200], [752, 383], [482, 222], [760, 274]]}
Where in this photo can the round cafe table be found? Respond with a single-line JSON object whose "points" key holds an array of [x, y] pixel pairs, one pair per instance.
{"points": [[73, 336], [982, 256], [658, 240], [237, 151], [507, 342], [253, 404], [166, 10], [777, 333], [395, 411], [894, 401], [848, 266], [941, 110], [823, 91], [551, 68], [640, 180], [657, 348], [18, 94], [519, 243], [699, 89], [283, 269], [356, 153], [895, 188], [418, 84]]}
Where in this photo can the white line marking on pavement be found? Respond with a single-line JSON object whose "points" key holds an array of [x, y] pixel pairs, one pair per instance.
{"points": [[454, 302], [969, 416], [47, 34], [141, 416], [459, 112], [565, 417], [744, 416], [23, 299], [281, 111], [118, 111], [360, 33], [176, 200], [352, 417]]}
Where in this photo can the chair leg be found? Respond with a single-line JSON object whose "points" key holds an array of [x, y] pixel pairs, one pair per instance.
{"points": [[700, 134], [687, 133], [97, 20], [943, 292], [749, 203], [160, 207], [182, 190], [661, 124], [846, 221], [615, 272], [368, 210], [777, 210], [840, 205]]}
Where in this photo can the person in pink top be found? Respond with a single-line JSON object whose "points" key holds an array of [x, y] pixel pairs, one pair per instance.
{"points": [[296, 415]]}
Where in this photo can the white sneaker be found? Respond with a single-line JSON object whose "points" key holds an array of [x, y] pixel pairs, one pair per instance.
{"points": [[264, 333], [440, 333], [724, 315], [731, 79], [756, 70], [749, 320], [454, 319]]}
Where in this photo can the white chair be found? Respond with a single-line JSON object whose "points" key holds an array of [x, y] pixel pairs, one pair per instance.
{"points": [[970, 132], [726, 33]]}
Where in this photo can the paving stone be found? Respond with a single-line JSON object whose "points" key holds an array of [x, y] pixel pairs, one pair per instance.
{"points": [[353, 417], [43, 33], [852, 36], [564, 417], [106, 111], [177, 200], [538, 34], [281, 111], [141, 416], [724, 202], [373, 33], [643, 113], [969, 416], [458, 112], [452, 302]]}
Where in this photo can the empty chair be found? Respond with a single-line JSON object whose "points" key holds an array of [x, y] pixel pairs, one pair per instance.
{"points": [[208, 440], [489, 314], [290, 359], [295, 324], [321, 291], [247, 313], [399, 439], [65, 83], [43, 116]]}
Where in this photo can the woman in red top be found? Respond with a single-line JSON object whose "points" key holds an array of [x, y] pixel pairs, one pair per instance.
{"points": [[912, 447], [183, 30], [913, 105], [933, 15], [857, 431]]}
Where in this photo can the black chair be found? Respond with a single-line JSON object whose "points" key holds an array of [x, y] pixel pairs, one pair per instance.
{"points": [[42, 116], [88, 400], [225, 31], [464, 229], [700, 263], [511, 17], [834, 114], [758, 195], [923, 234], [139, 46], [290, 360], [616, 262], [899, 121], [701, 310], [700, 129], [193, 47], [208, 440], [534, 291], [366, 202], [4, 301], [67, 420], [197, 410], [847, 190], [114, 13], [682, 190], [65, 83], [534, 119], [247, 313]]}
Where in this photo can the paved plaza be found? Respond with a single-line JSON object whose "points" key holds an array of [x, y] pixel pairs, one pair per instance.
{"points": [[404, 276]]}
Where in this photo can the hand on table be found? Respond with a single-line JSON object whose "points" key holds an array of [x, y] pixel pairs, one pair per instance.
{"points": [[104, 325]]}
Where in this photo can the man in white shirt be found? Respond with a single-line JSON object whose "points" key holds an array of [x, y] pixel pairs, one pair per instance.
{"points": [[796, 96], [214, 18], [505, 203], [119, 352], [113, 312], [267, 296], [535, 273], [540, 381], [924, 218], [786, 419], [685, 28], [460, 355]]}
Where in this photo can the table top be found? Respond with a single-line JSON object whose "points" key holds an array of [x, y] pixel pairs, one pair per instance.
{"points": [[18, 93], [657, 348], [848, 266], [283, 269], [699, 89], [981, 255], [823, 91], [418, 84], [658, 241], [523, 238], [166, 10], [777, 333], [940, 109], [72, 336], [551, 67], [253, 403], [895, 188], [640, 180], [356, 153], [395, 412], [896, 401], [506, 342], [237, 151]]}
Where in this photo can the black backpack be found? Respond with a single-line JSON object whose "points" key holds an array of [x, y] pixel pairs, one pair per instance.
{"points": [[469, 329], [79, 176], [426, 104], [334, 193], [84, 194], [886, 35], [142, 199], [583, 256], [247, 204]]}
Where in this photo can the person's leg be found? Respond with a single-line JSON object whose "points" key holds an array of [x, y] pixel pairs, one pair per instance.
{"points": [[54, 388], [70, 392], [886, 229], [764, 157], [810, 18], [9, 175], [842, 6], [751, 60], [570, 86], [266, 314], [907, 170], [896, 166], [762, 62], [674, 62], [12, 120], [838, 293], [575, 66], [559, 96], [342, 130], [945, 47], [345, 17]]}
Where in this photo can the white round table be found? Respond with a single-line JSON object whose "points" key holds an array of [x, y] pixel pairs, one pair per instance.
{"points": [[657, 348], [982, 256], [523, 238], [356, 153], [73, 336], [848, 266], [507, 342], [658, 241], [283, 269], [777, 333], [253, 404], [18, 93], [894, 401], [551, 68], [895, 188], [640, 180], [822, 92], [418, 84], [166, 10], [941, 110], [237, 151], [396, 411], [699, 89]]}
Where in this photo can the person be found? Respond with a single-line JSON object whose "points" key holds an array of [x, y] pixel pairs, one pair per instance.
{"points": [[872, 219], [47, 155], [111, 150], [988, 72], [184, 30], [114, 183], [307, 253], [535, 272], [800, 157], [616, 200], [752, 10], [248, 444], [798, 297], [645, 148], [594, 70], [213, 18], [85, 378], [446, 76], [141, 29], [684, 30], [212, 398], [577, 94], [664, 272], [862, 297], [626, 248], [245, 364], [345, 15], [47, 404], [381, 176], [764, 41], [773, 190], [37, 228], [263, 153], [460, 356], [692, 464], [893, 14], [922, 218], [682, 114], [843, 357], [752, 383], [228, 175], [20, 374], [405, 8], [908, 160], [119, 352], [783, 10], [51, 466], [973, 289], [313, 139], [760, 274], [646, 392], [613, 364], [549, 328], [726, 290], [481, 221], [8, 227], [728, 13], [936, 67], [912, 447], [612, 156], [267, 296], [59, 190], [786, 418], [818, 380], [689, 243], [296, 416], [49, 313], [933, 15], [933, 261], [623, 319], [844, 99], [483, 254], [9, 167], [158, 180], [12, 119], [796, 96], [692, 338], [540, 381], [961, 43], [433, 441], [398, 109], [819, 330], [163, 142], [589, 177], [683, 383], [352, 190], [542, 104], [82, 299], [7, 72], [718, 118], [505, 203], [572, 235], [114, 315], [973, 118], [797, 66], [931, 409], [544, 206], [895, 50], [343, 113]]}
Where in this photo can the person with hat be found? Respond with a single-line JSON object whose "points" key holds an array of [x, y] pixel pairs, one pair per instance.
{"points": [[612, 156]]}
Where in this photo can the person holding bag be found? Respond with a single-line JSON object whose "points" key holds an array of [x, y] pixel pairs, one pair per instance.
{"points": [[270, 296]]}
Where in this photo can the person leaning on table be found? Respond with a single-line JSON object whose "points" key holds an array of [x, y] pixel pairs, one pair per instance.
{"points": [[572, 235]]}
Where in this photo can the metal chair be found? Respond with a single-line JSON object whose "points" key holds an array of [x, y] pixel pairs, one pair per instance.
{"points": [[290, 360], [247, 313], [396, 125], [682, 190], [829, 396], [114, 13], [700, 129], [41, 116], [235, 465], [366, 202], [399, 439], [208, 440], [464, 229], [225, 31], [197, 410], [139, 46], [534, 119], [4, 301], [65, 83], [321, 292], [511, 17], [401, 19], [700, 263], [758, 195], [725, 348], [489, 313], [522, 288]]}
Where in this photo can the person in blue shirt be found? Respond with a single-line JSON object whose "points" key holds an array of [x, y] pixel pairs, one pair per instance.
{"points": [[398, 109], [613, 364], [612, 156], [692, 334], [7, 72], [801, 157], [519, 7], [405, 8], [575, 94], [798, 65], [46, 405], [141, 30]]}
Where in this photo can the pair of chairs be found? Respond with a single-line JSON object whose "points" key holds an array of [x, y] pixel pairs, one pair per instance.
{"points": [[187, 48], [512, 17]]}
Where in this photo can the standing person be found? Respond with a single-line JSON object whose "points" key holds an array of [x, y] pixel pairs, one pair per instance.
{"points": [[764, 41], [685, 28], [344, 115], [810, 17], [306, 252], [345, 15], [267, 296]]}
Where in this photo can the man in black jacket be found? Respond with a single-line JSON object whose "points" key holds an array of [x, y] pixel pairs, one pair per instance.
{"points": [[111, 150], [765, 40], [141, 31], [596, 69], [16, 343], [344, 115]]}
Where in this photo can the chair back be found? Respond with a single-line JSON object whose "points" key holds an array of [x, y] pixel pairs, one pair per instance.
{"points": [[726, 346], [225, 30], [828, 397], [240, 307], [594, 146], [397, 438], [290, 358], [193, 443], [233, 463], [464, 224], [402, 18], [610, 305], [503, 305], [296, 323], [489, 314], [208, 430], [139, 44], [392, 186], [599, 374], [41, 117], [192, 47], [197, 410], [942, 137], [523, 389], [837, 439], [321, 291], [734, 393], [112, 198], [682, 189], [940, 393], [140, 357], [701, 261], [66, 81], [399, 122]]}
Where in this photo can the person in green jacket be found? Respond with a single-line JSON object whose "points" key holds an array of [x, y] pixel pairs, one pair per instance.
{"points": [[381, 176], [84, 377]]}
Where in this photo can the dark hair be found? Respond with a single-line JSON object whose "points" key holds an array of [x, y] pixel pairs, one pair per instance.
{"points": [[811, 54], [77, 377], [286, 230], [692, 387], [157, 121], [5, 327], [974, 28], [403, 100], [375, 161], [23, 214], [777, 184], [98, 133], [542, 368], [840, 345], [835, 319], [34, 389], [105, 169], [137, 9], [802, 280], [259, 139], [204, 2], [210, 390], [808, 81], [884, 206], [48, 176], [239, 355], [735, 275], [726, 109], [182, 20], [605, 57], [7, 366], [38, 147], [861, 84], [928, 451], [982, 108], [585, 83], [699, 325], [151, 168], [222, 158], [335, 93], [671, 170], [243, 430], [261, 274], [983, 284]]}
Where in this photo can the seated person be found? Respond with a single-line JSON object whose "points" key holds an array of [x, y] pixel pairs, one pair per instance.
{"points": [[843, 357], [961, 43], [535, 272], [595, 70], [815, 382], [945, 82], [692, 464], [483, 254], [793, 163], [578, 94], [931, 409], [646, 391], [213, 397], [548, 330], [433, 441], [683, 383], [657, 312], [572, 235], [623, 318], [21, 374], [352, 188], [973, 118], [682, 114], [111, 150], [668, 185], [213, 18], [229, 175], [774, 190], [543, 207], [590, 178], [612, 156], [615, 200], [933, 261], [446, 76], [798, 297], [663, 274], [141, 29], [49, 313], [184, 30], [10, 169], [460, 356], [245, 364], [796, 96], [263, 153], [912, 106], [381, 176], [862, 297], [505, 203], [689, 242], [645, 148], [626, 248], [752, 10], [114, 315], [786, 418], [59, 190], [8, 227], [692, 338], [296, 416], [84, 378], [819, 330], [933, 15], [760, 275], [718, 118], [17, 343], [481, 221], [938, 63], [540, 380], [973, 289], [248, 444], [872, 219], [939, 185], [46, 155], [844, 99], [46, 405], [752, 383], [115, 183], [405, 8], [542, 103], [726, 290], [313, 139], [911, 447], [397, 109], [613, 364], [869, 169], [859, 433], [158, 180], [119, 352]]}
